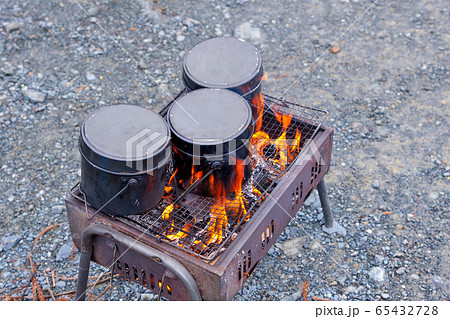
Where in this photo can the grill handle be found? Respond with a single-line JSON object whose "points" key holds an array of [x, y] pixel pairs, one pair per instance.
{"points": [[163, 259]]}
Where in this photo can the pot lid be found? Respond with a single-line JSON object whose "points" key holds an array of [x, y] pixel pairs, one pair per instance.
{"points": [[123, 134], [210, 117], [222, 63]]}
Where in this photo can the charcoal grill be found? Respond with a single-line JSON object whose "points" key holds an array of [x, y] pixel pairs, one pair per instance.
{"points": [[171, 259]]}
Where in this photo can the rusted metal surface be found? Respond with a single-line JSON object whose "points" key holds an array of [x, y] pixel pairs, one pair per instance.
{"points": [[222, 277]]}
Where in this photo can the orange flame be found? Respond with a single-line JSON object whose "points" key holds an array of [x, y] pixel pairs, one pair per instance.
{"points": [[181, 234], [218, 218], [284, 152], [169, 188], [258, 102], [224, 207], [237, 206], [167, 211]]}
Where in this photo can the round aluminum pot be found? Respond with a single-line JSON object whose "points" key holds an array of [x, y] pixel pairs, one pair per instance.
{"points": [[125, 151], [211, 131], [225, 63]]}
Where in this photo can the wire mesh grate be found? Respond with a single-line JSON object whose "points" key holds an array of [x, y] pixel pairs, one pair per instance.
{"points": [[205, 226]]}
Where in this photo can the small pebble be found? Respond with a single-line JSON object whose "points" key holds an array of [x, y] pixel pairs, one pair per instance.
{"points": [[34, 95], [90, 77], [335, 49], [13, 26], [400, 271], [377, 274]]}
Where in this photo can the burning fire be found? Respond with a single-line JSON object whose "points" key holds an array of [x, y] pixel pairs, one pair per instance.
{"points": [[169, 188], [258, 102], [181, 234], [223, 207], [279, 151], [226, 209]]}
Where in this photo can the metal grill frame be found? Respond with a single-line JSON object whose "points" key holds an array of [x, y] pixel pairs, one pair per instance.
{"points": [[222, 277], [307, 120]]}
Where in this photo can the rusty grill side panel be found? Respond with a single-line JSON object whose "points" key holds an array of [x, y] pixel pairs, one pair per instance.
{"points": [[275, 214]]}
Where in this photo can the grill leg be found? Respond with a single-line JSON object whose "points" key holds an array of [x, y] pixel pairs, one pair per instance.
{"points": [[331, 226], [325, 202], [83, 275]]}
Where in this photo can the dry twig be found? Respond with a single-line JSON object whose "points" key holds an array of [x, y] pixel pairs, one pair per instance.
{"points": [[305, 290], [53, 278], [36, 287], [33, 275], [89, 286], [320, 299], [103, 292], [48, 284], [73, 250], [46, 229], [9, 296]]}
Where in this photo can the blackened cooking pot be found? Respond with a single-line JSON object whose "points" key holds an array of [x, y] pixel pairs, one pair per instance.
{"points": [[225, 63], [125, 152], [211, 131]]}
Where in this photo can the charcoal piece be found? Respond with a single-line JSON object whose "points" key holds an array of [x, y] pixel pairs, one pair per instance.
{"points": [[261, 179], [270, 151]]}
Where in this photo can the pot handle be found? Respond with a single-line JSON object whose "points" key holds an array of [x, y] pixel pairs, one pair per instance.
{"points": [[132, 182]]}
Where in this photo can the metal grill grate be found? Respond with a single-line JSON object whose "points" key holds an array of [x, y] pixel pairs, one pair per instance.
{"points": [[190, 224]]}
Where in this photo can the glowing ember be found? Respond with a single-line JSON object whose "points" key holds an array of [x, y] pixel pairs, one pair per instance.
{"points": [[167, 211], [181, 234]]}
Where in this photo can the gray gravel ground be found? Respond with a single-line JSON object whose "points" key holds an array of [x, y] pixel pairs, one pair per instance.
{"points": [[386, 86]]}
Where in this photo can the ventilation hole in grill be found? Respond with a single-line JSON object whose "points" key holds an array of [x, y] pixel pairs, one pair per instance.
{"points": [[296, 195], [144, 278], [268, 234], [244, 263], [315, 170], [152, 281], [293, 201], [263, 239], [249, 259], [135, 273], [239, 271], [160, 286], [272, 226], [169, 290], [119, 265], [127, 269]]}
